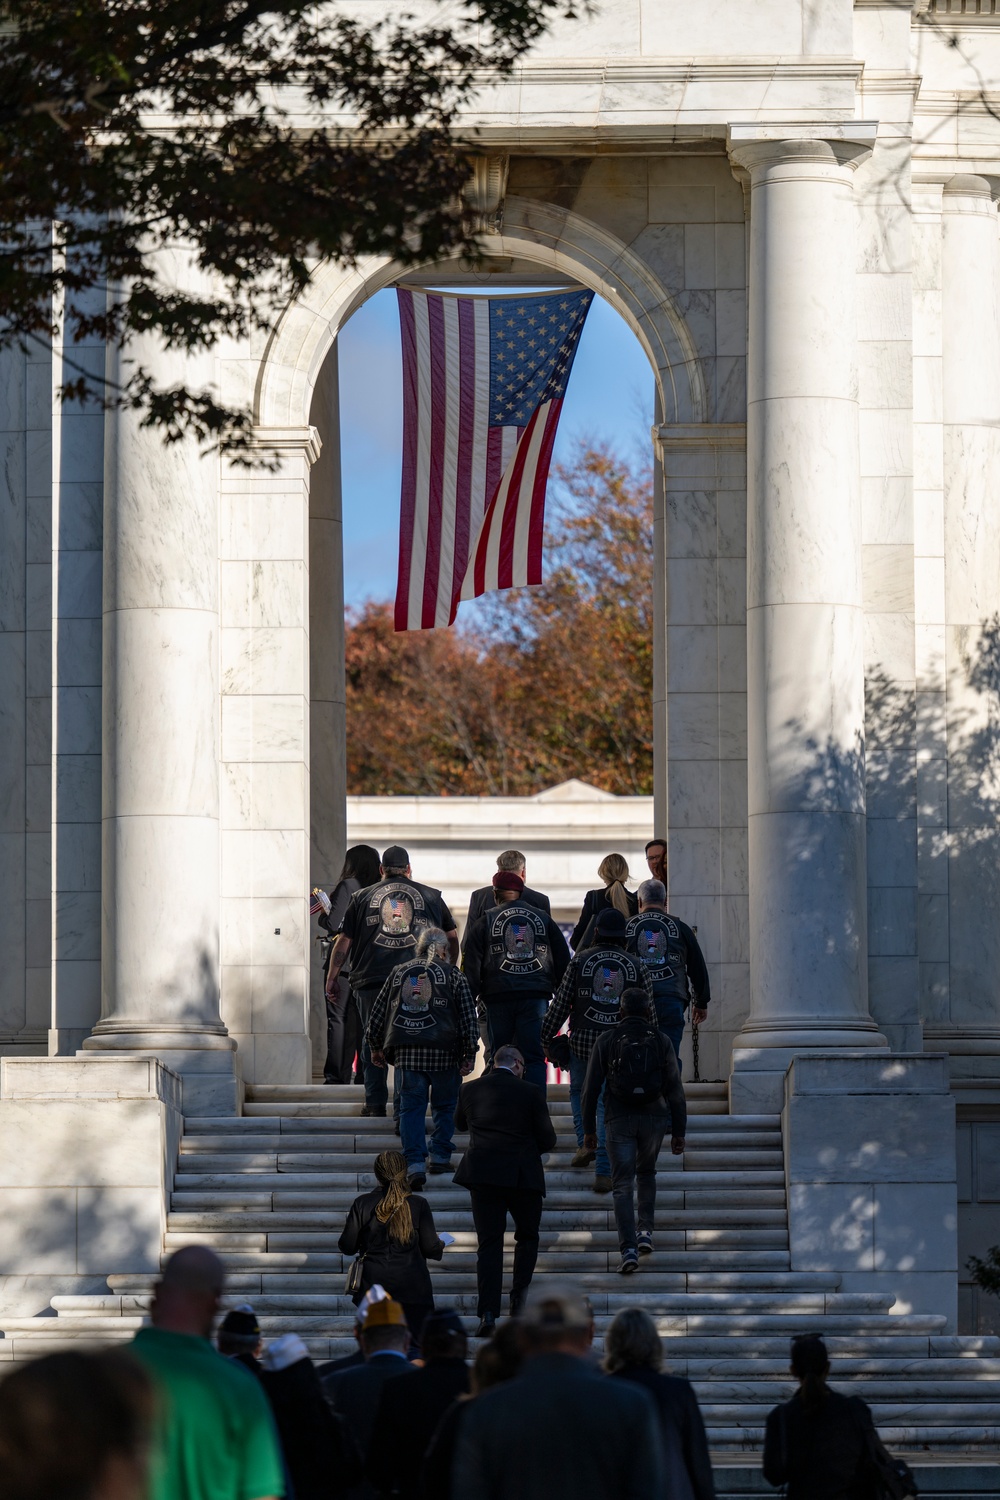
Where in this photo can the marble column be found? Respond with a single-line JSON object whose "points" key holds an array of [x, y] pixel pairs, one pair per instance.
{"points": [[327, 688], [970, 384], [805, 669], [160, 757]]}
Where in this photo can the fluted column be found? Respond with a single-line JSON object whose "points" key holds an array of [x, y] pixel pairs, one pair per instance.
{"points": [[968, 931], [160, 907], [805, 670]]}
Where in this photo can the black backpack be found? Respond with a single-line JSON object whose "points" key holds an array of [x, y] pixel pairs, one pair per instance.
{"points": [[635, 1066]]}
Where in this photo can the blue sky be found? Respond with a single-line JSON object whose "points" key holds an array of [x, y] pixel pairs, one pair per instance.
{"points": [[610, 400]]}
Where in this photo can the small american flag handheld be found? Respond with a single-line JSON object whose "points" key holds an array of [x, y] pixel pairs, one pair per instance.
{"points": [[319, 901]]}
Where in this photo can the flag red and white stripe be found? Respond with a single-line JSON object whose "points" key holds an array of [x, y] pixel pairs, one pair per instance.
{"points": [[472, 507]]}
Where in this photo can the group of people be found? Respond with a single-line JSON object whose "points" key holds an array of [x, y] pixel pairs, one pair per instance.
{"points": [[171, 1418], [622, 994]]}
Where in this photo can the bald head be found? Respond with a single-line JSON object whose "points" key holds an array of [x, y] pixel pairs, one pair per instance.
{"points": [[186, 1298]]}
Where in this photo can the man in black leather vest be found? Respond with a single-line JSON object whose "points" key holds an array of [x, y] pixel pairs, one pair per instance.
{"points": [[588, 998], [424, 1023], [380, 930], [673, 960], [515, 957]]}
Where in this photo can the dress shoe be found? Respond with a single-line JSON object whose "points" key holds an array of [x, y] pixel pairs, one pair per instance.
{"points": [[487, 1326], [369, 1112], [437, 1167], [517, 1303]]}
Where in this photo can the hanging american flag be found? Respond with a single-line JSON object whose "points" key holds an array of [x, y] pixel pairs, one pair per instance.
{"points": [[483, 386]]}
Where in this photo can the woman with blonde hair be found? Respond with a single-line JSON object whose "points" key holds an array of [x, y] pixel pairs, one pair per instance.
{"points": [[392, 1229], [613, 870]]}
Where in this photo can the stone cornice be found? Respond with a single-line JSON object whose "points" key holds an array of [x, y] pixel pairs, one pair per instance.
{"points": [[677, 436], [848, 143]]}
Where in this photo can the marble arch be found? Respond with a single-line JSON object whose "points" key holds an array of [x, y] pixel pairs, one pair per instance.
{"points": [[544, 233]]}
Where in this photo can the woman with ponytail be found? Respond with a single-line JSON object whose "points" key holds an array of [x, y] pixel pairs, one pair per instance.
{"points": [[392, 1228], [613, 870], [820, 1443]]}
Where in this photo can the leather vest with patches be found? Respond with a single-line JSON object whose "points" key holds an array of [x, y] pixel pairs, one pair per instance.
{"points": [[655, 939], [517, 957], [421, 1009], [602, 974]]}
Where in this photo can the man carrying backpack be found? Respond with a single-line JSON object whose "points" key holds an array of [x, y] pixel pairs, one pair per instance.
{"points": [[636, 1066]]}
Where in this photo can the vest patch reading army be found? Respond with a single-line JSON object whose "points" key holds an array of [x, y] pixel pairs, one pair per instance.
{"points": [[518, 941], [603, 975]]}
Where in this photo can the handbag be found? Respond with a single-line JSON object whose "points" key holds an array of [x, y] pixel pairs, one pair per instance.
{"points": [[885, 1477], [354, 1270]]}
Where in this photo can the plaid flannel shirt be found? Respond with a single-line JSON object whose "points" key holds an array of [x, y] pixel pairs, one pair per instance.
{"points": [[429, 1058], [583, 1039]]}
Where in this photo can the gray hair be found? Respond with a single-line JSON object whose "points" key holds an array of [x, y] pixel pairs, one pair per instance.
{"points": [[504, 1056], [512, 861], [652, 893], [432, 942], [632, 1339]]}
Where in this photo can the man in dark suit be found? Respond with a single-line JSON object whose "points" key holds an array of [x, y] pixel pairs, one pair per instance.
{"points": [[559, 1427], [509, 1131], [480, 901], [409, 1411], [355, 1394]]}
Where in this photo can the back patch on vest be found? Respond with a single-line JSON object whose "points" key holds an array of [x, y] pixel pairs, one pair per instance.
{"points": [[519, 941], [396, 911], [603, 977]]}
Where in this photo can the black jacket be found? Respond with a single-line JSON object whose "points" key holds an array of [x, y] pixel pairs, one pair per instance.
{"points": [[682, 1429], [818, 1452], [355, 1396], [495, 974], [486, 896], [406, 1421], [594, 902], [509, 1131], [671, 1102], [401, 1269], [560, 1428], [321, 1457]]}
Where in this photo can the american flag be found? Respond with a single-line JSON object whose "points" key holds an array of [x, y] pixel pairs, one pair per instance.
{"points": [[483, 386]]}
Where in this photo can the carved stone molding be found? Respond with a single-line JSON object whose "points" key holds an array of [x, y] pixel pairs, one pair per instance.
{"points": [[485, 193]]}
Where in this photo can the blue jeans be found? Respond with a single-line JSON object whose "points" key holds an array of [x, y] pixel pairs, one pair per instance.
{"points": [[577, 1073], [376, 1079], [441, 1088], [670, 1020], [518, 1023], [634, 1142]]}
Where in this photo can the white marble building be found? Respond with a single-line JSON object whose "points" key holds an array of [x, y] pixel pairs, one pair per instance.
{"points": [[793, 206]]}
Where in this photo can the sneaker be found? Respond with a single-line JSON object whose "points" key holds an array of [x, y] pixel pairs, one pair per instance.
{"points": [[417, 1180], [603, 1184], [582, 1157], [369, 1112], [644, 1240], [437, 1167], [630, 1263]]}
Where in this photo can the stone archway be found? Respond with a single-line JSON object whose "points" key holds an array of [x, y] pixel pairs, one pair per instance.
{"points": [[287, 748]]}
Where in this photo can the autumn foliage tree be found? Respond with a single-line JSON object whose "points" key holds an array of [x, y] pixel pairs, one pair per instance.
{"points": [[540, 684]]}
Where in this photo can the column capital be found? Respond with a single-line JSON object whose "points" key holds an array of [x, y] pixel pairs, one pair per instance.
{"points": [[303, 440], [686, 436], [844, 143]]}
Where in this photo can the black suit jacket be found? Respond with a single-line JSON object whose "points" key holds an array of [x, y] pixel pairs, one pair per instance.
{"points": [[486, 897], [355, 1395], [509, 1129], [406, 1421]]}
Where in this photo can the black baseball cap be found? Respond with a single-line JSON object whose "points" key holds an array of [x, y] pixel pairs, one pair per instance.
{"points": [[610, 923], [395, 858], [241, 1323]]}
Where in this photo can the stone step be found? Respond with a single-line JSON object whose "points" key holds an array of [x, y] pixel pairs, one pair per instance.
{"points": [[240, 1284], [276, 1239], [323, 1110], [595, 1210], [971, 1479], [724, 1189], [555, 1092], [704, 1205], [252, 1125]]}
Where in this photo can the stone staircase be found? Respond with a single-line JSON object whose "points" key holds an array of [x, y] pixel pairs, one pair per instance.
{"points": [[270, 1191]]}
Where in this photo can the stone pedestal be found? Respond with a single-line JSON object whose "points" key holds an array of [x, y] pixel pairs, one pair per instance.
{"points": [[88, 1149], [871, 1178], [805, 670]]}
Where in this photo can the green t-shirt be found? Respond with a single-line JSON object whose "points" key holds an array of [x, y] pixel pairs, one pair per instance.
{"points": [[215, 1435]]}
